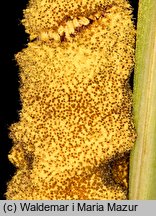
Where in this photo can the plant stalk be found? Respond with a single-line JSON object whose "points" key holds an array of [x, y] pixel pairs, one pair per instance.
{"points": [[142, 182]]}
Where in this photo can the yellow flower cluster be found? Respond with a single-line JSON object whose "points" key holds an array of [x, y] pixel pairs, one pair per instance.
{"points": [[76, 100]]}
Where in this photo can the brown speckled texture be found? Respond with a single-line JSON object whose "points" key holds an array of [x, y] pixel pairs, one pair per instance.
{"points": [[76, 101]]}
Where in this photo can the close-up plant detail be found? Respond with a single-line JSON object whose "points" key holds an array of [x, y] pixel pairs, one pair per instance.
{"points": [[83, 133], [143, 156]]}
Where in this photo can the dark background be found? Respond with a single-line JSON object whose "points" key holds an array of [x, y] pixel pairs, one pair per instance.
{"points": [[12, 40]]}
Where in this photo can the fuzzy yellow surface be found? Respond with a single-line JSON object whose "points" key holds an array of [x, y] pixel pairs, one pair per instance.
{"points": [[76, 101]]}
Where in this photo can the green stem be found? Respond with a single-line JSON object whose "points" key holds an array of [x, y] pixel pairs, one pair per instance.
{"points": [[143, 156]]}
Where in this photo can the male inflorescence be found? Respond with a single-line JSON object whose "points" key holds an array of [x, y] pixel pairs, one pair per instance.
{"points": [[76, 111]]}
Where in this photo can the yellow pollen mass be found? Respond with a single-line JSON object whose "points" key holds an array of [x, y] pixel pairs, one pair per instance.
{"points": [[76, 101]]}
